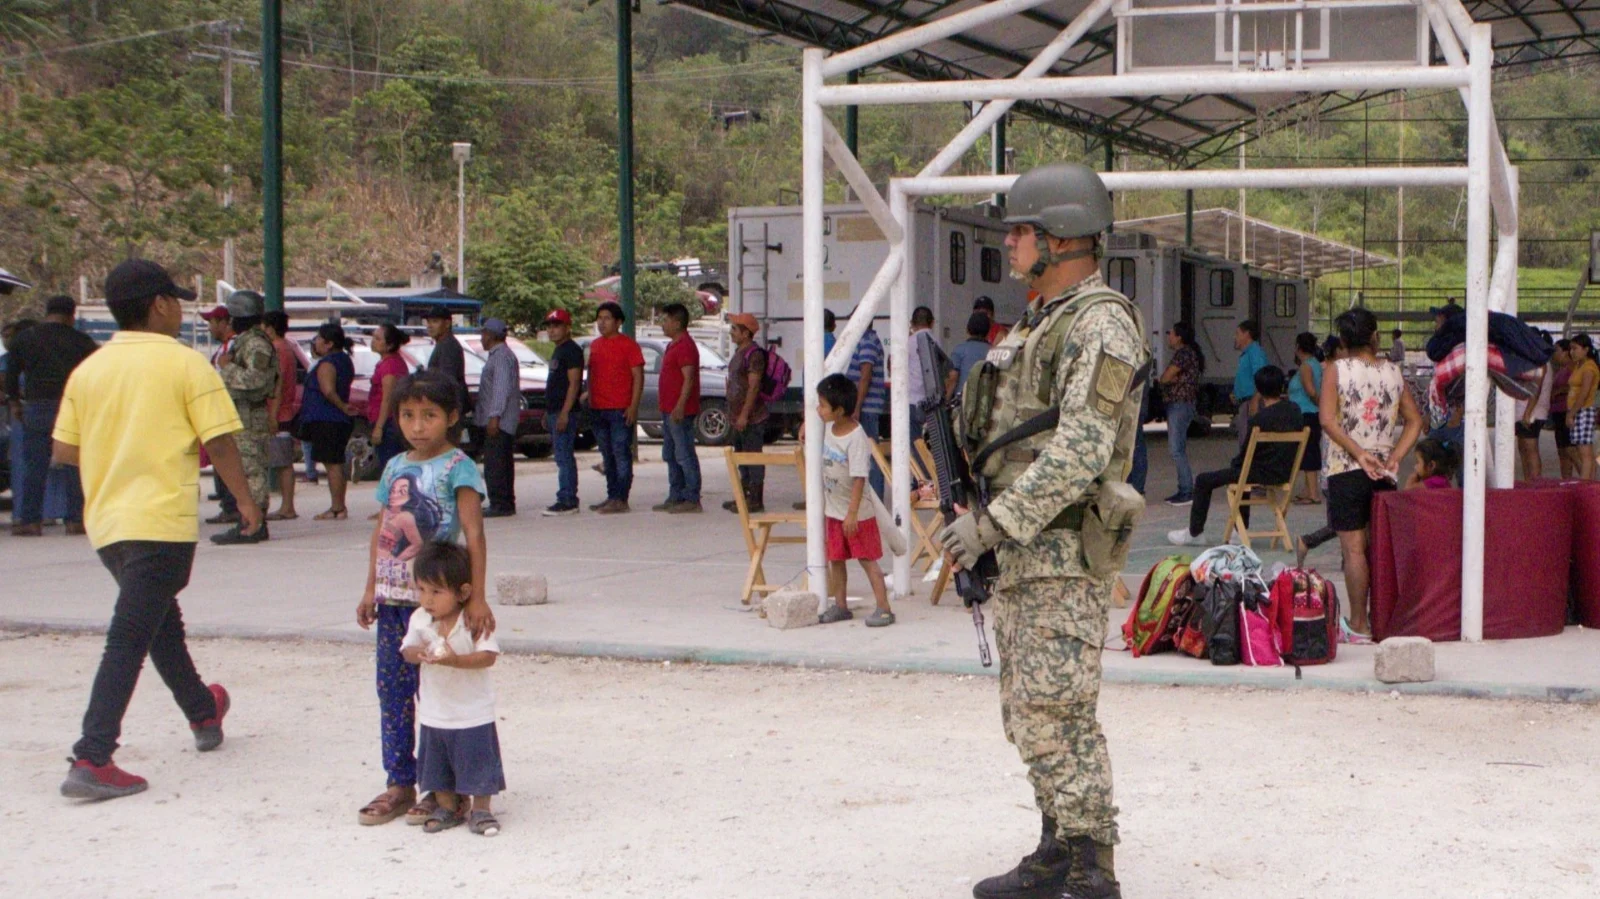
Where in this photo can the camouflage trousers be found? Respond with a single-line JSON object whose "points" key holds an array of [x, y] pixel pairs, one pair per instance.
{"points": [[1048, 633], [252, 443]]}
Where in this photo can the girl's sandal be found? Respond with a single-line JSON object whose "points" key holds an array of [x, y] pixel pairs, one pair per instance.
{"points": [[419, 814], [441, 819], [482, 822], [333, 515], [384, 808], [279, 516]]}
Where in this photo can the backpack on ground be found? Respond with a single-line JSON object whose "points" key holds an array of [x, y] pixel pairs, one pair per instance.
{"points": [[1260, 637], [1307, 608], [1149, 628], [775, 380]]}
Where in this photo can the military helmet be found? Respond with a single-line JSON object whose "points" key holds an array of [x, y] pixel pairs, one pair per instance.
{"points": [[1065, 199]]}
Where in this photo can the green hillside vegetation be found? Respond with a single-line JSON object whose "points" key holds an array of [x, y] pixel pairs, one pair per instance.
{"points": [[122, 147]]}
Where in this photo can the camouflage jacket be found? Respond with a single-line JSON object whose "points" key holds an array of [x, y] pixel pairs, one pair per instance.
{"points": [[1101, 352], [251, 374]]}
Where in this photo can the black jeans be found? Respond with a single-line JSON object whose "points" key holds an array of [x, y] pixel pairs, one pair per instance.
{"points": [[1205, 484], [146, 621], [230, 505], [752, 477], [499, 473]]}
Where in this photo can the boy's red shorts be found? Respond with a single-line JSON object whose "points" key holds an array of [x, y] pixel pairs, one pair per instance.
{"points": [[864, 545]]}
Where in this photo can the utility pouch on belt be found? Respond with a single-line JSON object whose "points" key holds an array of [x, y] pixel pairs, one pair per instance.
{"points": [[1108, 525]]}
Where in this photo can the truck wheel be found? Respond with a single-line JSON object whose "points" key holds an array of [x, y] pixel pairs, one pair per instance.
{"points": [[536, 450], [361, 459], [711, 426]]}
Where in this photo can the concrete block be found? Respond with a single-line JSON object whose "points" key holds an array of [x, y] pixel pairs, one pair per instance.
{"points": [[1405, 660], [521, 589], [790, 608]]}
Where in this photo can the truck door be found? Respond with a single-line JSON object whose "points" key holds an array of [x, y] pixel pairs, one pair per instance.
{"points": [[1218, 306], [1280, 320]]}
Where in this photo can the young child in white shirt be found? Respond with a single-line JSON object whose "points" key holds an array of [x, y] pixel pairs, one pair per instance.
{"points": [[458, 750], [852, 522]]}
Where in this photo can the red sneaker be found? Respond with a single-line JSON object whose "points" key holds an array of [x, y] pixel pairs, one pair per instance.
{"points": [[208, 733], [86, 780]]}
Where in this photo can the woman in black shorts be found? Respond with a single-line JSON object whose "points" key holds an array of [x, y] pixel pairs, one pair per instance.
{"points": [[325, 410], [1364, 402]]}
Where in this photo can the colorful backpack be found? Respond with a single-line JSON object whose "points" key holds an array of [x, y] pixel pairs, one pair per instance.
{"points": [[1260, 636], [1306, 608], [1149, 628], [775, 380]]}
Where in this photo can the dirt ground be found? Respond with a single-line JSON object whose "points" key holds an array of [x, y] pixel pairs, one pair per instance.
{"points": [[686, 781]]}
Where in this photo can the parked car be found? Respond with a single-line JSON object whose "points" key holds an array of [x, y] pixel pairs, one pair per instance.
{"points": [[712, 425]]}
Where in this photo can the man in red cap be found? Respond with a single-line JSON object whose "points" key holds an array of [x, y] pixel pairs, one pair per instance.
{"points": [[745, 370], [561, 393]]}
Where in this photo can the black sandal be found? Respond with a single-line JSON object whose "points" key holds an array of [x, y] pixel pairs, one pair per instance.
{"points": [[482, 822], [441, 819]]}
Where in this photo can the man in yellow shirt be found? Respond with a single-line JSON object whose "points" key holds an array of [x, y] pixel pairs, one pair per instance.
{"points": [[133, 417]]}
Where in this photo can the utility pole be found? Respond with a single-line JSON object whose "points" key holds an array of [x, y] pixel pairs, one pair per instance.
{"points": [[462, 151], [1400, 217], [227, 169], [625, 161], [272, 153]]}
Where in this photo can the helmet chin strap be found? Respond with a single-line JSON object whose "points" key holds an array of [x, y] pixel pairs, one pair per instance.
{"points": [[1048, 257]]}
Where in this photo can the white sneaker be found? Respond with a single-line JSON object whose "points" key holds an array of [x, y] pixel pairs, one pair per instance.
{"points": [[1182, 537]]}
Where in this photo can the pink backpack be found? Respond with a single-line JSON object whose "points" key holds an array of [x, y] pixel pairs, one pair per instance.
{"points": [[1260, 640]]}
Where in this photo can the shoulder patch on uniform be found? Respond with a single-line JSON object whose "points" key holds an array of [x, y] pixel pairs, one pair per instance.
{"points": [[1111, 379]]}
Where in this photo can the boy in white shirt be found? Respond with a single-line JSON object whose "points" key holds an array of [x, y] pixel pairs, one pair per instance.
{"points": [[851, 512], [458, 750]]}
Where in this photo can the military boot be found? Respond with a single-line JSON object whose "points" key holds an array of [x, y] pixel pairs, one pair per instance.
{"points": [[1040, 875], [1094, 872]]}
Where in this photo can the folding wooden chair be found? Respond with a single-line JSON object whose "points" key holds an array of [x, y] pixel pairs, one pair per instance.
{"points": [[925, 526], [1274, 496], [757, 528]]}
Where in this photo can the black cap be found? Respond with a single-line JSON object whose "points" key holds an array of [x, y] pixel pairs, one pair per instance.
{"points": [[438, 312], [135, 279], [1450, 309], [61, 304]]}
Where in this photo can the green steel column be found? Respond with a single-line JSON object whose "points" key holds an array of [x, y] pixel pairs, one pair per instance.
{"points": [[852, 118], [1188, 218], [272, 153], [1111, 165], [625, 159], [997, 155]]}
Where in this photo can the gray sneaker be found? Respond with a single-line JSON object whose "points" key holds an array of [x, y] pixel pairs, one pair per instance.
{"points": [[685, 507], [880, 618], [663, 507], [834, 613]]}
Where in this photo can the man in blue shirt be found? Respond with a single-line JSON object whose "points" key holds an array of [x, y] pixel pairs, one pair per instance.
{"points": [[872, 391], [497, 413], [1252, 358], [829, 322]]}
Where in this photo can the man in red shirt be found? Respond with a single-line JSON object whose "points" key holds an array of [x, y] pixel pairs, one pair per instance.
{"points": [[680, 402], [616, 381], [285, 404]]}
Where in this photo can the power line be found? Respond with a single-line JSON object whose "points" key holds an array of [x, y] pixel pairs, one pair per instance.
{"points": [[108, 42]]}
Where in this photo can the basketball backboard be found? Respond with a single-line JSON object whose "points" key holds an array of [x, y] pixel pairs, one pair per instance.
{"points": [[1183, 35]]}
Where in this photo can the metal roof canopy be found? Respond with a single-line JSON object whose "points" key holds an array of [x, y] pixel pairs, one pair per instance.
{"points": [[1183, 129], [1287, 251]]}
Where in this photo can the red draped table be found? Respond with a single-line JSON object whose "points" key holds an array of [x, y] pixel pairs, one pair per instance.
{"points": [[1542, 545]]}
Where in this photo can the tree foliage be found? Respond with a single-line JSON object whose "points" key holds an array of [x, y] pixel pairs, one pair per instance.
{"points": [[527, 269]]}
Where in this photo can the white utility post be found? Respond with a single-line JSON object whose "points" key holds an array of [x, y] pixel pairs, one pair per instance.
{"points": [[461, 151]]}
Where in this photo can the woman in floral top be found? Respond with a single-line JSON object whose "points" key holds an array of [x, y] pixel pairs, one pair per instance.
{"points": [[1364, 401], [1180, 386]]}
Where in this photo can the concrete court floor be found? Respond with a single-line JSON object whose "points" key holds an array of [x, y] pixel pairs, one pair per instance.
{"points": [[654, 586]]}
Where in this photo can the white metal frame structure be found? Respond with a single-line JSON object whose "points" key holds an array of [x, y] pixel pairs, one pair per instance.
{"points": [[1487, 175]]}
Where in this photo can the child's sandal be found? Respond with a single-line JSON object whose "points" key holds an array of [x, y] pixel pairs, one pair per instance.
{"points": [[482, 823], [441, 819], [419, 814]]}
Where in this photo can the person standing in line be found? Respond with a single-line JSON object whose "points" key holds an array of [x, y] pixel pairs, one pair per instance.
{"points": [[921, 320], [448, 357], [1365, 400], [679, 398], [1305, 388], [1054, 589], [616, 383], [220, 326], [250, 372], [1532, 417], [387, 377], [745, 370], [133, 417], [829, 323], [1581, 412], [996, 331], [326, 414], [872, 392], [1180, 386], [561, 394], [39, 362], [1397, 349], [1252, 358], [285, 408], [967, 353], [499, 407], [1560, 385]]}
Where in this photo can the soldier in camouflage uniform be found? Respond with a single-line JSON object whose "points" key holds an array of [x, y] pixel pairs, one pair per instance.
{"points": [[250, 372], [1079, 350]]}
